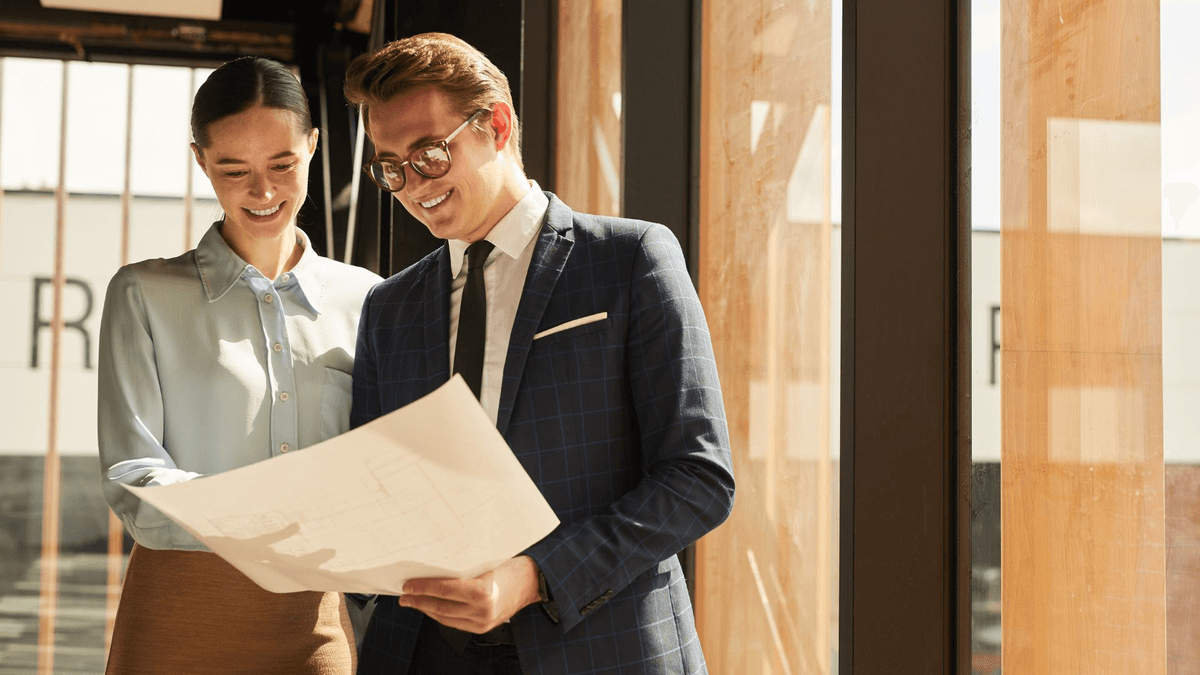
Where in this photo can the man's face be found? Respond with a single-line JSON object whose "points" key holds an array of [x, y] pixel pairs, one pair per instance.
{"points": [[465, 203]]}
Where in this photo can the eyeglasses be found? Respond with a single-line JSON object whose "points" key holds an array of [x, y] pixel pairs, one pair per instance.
{"points": [[431, 161]]}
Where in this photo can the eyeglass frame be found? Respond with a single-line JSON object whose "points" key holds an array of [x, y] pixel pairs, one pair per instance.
{"points": [[444, 144]]}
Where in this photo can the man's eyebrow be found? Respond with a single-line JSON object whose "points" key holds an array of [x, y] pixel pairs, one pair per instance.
{"points": [[422, 142], [231, 160]]}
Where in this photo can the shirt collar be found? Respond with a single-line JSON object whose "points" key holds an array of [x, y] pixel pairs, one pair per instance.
{"points": [[221, 268], [513, 233]]}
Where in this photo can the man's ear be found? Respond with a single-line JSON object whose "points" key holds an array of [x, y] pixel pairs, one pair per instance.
{"points": [[502, 124], [199, 158], [312, 140]]}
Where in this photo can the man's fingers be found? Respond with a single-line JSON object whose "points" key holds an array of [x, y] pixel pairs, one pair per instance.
{"points": [[458, 590], [448, 614], [439, 588], [434, 605]]}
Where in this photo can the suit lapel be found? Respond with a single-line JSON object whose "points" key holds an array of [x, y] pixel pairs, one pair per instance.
{"points": [[550, 254], [437, 321]]}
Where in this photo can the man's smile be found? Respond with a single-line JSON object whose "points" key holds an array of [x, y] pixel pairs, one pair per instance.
{"points": [[435, 201]]}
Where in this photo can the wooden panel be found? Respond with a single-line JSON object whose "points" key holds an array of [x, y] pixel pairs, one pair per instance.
{"points": [[1183, 569], [588, 151], [765, 579], [1081, 393]]}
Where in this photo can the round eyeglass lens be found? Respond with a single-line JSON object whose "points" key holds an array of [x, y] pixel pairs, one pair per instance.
{"points": [[434, 161], [388, 176]]}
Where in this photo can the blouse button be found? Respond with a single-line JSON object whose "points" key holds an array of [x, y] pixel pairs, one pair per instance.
{"points": [[285, 277], [285, 447], [268, 298], [277, 347], [284, 396]]}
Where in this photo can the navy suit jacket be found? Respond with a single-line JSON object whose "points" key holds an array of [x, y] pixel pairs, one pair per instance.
{"points": [[619, 422]]}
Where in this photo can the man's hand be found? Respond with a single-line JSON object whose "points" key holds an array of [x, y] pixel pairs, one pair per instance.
{"points": [[476, 605]]}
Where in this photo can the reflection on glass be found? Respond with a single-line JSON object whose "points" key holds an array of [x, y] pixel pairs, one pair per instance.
{"points": [[769, 246], [1085, 379]]}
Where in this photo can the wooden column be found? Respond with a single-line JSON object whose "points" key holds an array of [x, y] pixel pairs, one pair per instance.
{"points": [[588, 151], [1081, 397], [765, 582]]}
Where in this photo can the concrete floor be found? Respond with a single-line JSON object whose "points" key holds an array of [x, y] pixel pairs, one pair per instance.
{"points": [[80, 623]]}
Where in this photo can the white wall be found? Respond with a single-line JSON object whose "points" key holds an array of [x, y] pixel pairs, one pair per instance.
{"points": [[91, 254]]}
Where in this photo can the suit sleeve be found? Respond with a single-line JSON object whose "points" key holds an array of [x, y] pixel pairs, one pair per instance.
{"points": [[364, 401], [687, 489], [130, 419]]}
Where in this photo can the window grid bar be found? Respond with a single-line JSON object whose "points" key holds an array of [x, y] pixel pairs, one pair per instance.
{"points": [[187, 190], [2, 62], [52, 479], [116, 530]]}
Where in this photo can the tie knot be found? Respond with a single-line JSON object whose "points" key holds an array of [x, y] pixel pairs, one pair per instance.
{"points": [[478, 252]]}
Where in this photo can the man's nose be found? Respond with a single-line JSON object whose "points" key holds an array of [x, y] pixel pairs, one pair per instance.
{"points": [[414, 182]]}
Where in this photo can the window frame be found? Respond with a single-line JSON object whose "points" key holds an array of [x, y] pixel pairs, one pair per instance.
{"points": [[905, 425]]}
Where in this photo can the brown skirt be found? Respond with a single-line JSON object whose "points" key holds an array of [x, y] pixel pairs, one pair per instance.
{"points": [[192, 612]]}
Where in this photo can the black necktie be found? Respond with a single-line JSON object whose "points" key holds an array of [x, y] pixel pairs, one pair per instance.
{"points": [[468, 361], [472, 320]]}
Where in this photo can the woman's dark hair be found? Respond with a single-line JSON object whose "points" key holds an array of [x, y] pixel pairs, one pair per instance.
{"points": [[242, 84]]}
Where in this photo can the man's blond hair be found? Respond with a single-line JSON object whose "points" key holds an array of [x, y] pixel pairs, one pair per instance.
{"points": [[440, 60]]}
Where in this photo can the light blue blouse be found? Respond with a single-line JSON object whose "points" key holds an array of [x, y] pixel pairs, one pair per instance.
{"points": [[206, 365]]}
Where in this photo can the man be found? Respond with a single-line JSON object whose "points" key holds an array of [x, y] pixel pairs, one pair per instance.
{"points": [[584, 340]]}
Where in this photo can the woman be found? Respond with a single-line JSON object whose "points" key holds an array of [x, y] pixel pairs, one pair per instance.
{"points": [[232, 353]]}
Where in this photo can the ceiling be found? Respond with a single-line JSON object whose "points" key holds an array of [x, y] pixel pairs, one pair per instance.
{"points": [[181, 32]]}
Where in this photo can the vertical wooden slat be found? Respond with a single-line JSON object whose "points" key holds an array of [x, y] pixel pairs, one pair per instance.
{"points": [[2, 61], [116, 530], [191, 166], [765, 578], [1081, 392], [588, 151], [825, 547], [355, 176], [127, 187], [52, 488], [326, 188]]}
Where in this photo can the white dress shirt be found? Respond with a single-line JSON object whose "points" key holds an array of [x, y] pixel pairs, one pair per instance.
{"points": [[503, 281]]}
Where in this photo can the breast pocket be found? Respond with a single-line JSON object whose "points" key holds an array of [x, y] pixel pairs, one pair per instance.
{"points": [[335, 403], [573, 378], [572, 330]]}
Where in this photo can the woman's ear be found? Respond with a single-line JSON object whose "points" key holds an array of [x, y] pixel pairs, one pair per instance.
{"points": [[502, 124], [199, 157]]}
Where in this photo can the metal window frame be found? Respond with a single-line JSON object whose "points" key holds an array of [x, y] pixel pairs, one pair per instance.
{"points": [[660, 117], [905, 525], [660, 131]]}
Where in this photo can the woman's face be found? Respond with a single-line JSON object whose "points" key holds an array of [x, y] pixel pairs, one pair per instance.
{"points": [[257, 161]]}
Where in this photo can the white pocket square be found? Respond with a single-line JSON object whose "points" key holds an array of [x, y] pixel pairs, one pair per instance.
{"points": [[571, 324]]}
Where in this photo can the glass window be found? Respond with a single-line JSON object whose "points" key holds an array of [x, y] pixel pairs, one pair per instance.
{"points": [[61, 551], [1086, 170], [769, 272]]}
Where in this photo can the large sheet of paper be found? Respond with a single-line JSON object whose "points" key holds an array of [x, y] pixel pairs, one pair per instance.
{"points": [[430, 490]]}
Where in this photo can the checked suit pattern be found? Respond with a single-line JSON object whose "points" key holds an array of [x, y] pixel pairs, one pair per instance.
{"points": [[619, 422]]}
